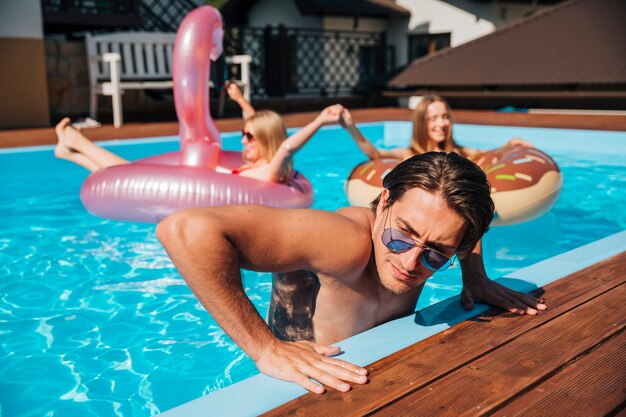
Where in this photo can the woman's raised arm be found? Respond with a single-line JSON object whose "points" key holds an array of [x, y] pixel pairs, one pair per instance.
{"points": [[365, 145], [234, 92], [295, 142]]}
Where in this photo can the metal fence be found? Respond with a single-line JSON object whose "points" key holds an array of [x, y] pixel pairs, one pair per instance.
{"points": [[286, 61], [308, 61], [164, 15]]}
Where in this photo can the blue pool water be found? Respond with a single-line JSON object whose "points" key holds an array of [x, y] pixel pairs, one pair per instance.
{"points": [[94, 320]]}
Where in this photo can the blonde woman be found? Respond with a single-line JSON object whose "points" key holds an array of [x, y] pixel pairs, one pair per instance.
{"points": [[432, 131], [267, 152]]}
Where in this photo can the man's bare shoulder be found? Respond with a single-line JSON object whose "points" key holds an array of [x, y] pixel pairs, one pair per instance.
{"points": [[282, 240], [362, 216]]}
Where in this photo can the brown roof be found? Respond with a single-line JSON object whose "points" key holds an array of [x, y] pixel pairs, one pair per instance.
{"points": [[371, 8], [579, 42]]}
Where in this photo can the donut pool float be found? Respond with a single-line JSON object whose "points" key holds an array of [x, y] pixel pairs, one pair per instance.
{"points": [[525, 182], [199, 175]]}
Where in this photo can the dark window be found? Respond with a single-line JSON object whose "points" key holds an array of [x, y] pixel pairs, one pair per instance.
{"points": [[427, 43]]}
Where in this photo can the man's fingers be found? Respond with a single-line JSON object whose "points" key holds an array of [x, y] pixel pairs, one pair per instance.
{"points": [[344, 371], [523, 302], [335, 350], [306, 383], [468, 301], [530, 301], [513, 304], [327, 375], [304, 363], [498, 299], [326, 350], [346, 365], [503, 297]]}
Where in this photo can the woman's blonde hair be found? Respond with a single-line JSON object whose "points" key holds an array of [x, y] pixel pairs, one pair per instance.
{"points": [[270, 131], [420, 142]]}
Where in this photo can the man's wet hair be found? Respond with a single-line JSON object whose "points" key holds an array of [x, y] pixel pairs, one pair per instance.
{"points": [[459, 181]]}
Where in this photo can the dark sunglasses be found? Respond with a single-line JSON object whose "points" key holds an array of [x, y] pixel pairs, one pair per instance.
{"points": [[249, 136], [398, 242]]}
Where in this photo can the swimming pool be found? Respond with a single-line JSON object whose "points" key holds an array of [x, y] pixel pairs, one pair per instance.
{"points": [[95, 321]]}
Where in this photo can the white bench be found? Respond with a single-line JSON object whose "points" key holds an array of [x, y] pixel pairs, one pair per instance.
{"points": [[138, 61]]}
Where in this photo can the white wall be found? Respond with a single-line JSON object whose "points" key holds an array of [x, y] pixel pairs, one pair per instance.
{"points": [[20, 19], [503, 12], [462, 21], [465, 20], [273, 12]]}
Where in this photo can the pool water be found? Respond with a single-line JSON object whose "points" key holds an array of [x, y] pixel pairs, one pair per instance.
{"points": [[95, 321]]}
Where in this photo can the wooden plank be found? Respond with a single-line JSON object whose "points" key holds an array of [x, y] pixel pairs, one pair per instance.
{"points": [[405, 371], [137, 52], [159, 52], [149, 50], [169, 56], [490, 381], [591, 386], [115, 47], [128, 67]]}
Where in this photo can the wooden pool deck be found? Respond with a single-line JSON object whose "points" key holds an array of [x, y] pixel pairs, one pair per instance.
{"points": [[568, 361]]}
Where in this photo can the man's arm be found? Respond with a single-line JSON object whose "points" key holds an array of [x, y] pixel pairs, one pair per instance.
{"points": [[477, 287], [209, 246]]}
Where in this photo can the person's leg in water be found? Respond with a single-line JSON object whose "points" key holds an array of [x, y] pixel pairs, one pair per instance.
{"points": [[76, 147]]}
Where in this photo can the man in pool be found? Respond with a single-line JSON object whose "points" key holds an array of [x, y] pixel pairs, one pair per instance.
{"points": [[357, 267]]}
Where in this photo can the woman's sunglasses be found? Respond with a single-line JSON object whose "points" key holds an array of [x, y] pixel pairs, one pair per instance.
{"points": [[249, 136], [398, 242]]}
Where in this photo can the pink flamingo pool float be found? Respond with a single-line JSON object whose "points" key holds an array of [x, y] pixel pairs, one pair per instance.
{"points": [[199, 175]]}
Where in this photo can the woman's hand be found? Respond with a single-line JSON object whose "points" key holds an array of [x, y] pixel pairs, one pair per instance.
{"points": [[330, 114], [521, 142], [346, 120], [233, 91]]}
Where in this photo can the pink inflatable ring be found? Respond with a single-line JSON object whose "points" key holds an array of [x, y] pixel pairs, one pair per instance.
{"points": [[199, 175]]}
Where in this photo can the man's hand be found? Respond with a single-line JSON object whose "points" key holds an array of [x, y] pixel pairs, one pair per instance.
{"points": [[485, 290], [477, 287], [302, 362]]}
